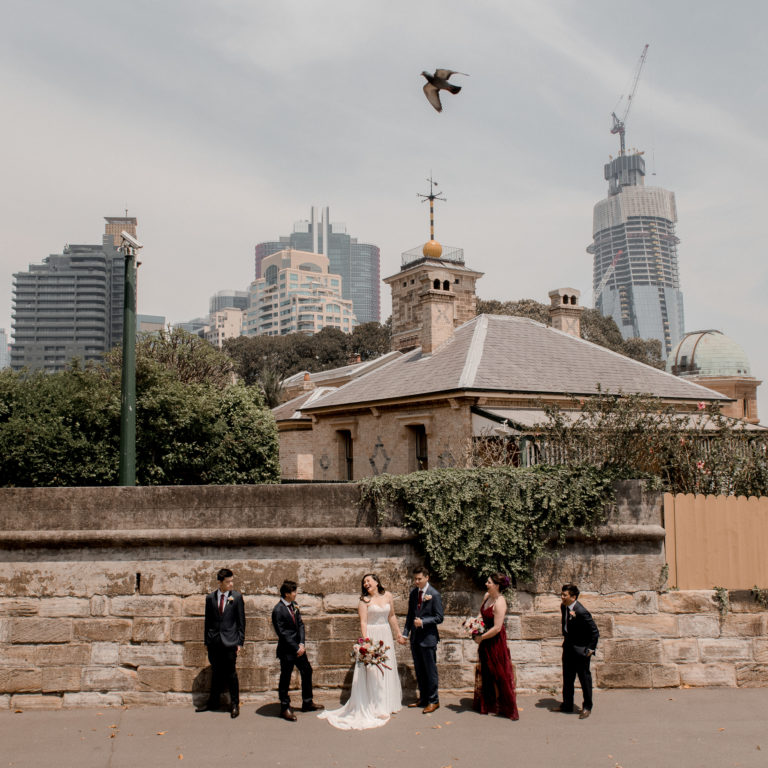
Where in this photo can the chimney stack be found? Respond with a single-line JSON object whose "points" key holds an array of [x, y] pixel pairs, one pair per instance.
{"points": [[565, 311]]}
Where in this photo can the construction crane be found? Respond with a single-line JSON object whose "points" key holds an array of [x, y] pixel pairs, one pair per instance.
{"points": [[606, 278], [619, 122]]}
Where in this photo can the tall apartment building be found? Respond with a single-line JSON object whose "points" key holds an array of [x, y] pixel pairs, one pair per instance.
{"points": [[5, 352], [635, 275], [71, 305], [297, 294], [357, 263]]}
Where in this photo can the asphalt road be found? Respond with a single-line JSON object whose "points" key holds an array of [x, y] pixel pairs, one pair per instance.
{"points": [[712, 728]]}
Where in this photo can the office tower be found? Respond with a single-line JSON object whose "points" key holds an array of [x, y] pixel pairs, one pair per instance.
{"points": [[297, 295], [150, 323], [635, 276], [226, 299], [357, 263], [5, 352], [71, 305]]}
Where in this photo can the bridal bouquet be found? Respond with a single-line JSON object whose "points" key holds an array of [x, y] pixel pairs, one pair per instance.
{"points": [[474, 625], [370, 653]]}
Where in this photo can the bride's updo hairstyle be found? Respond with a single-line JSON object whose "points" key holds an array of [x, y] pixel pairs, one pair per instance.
{"points": [[364, 596], [501, 581]]}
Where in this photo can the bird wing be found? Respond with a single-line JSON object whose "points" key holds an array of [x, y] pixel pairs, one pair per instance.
{"points": [[433, 96], [444, 74]]}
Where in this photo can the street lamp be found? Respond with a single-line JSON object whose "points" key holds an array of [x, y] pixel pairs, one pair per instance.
{"points": [[127, 470]]}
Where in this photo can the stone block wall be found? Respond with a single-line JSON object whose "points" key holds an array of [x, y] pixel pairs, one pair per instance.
{"points": [[101, 596]]}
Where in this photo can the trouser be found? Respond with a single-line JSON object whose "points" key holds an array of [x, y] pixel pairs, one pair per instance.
{"points": [[574, 664], [223, 660], [287, 663], [425, 667]]}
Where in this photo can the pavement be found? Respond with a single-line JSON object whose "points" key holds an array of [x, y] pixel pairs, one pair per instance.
{"points": [[675, 728]]}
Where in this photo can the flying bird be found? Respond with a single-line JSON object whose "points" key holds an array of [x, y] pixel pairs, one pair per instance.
{"points": [[439, 82]]}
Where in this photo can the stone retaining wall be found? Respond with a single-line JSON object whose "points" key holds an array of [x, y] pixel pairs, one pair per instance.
{"points": [[102, 589]]}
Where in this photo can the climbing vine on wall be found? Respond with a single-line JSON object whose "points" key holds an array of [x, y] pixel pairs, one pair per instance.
{"points": [[494, 518]]}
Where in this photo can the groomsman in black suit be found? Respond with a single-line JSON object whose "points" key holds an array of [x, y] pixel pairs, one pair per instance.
{"points": [[288, 624], [425, 612], [580, 636], [224, 637]]}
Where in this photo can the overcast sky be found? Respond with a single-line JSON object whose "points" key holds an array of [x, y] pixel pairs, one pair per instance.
{"points": [[219, 123]]}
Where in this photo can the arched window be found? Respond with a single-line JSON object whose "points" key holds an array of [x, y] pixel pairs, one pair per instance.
{"points": [[436, 285], [565, 299], [573, 300], [446, 285]]}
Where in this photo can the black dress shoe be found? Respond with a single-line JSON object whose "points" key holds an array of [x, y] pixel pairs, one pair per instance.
{"points": [[585, 713], [235, 711], [561, 708], [312, 707], [287, 714]]}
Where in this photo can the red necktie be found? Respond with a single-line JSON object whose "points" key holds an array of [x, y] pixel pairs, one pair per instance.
{"points": [[221, 605], [293, 615], [421, 595]]}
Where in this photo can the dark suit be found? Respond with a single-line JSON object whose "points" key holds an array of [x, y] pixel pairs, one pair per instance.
{"points": [[424, 641], [290, 634], [580, 636], [223, 634]]}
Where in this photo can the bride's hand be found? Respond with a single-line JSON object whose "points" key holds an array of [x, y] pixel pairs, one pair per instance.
{"points": [[401, 640]]}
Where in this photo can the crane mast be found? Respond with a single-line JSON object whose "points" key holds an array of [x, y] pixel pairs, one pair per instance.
{"points": [[619, 122]]}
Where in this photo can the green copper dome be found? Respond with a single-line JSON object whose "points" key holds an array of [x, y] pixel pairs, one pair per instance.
{"points": [[708, 353]]}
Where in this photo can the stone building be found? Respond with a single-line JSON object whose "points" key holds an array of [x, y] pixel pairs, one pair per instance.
{"points": [[453, 378], [714, 360]]}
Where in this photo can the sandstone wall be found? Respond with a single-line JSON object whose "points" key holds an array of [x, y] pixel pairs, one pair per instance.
{"points": [[101, 596]]}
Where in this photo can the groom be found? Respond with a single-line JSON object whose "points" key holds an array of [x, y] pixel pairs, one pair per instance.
{"points": [[425, 612]]}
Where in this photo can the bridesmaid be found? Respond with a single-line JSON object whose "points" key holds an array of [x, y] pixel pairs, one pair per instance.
{"points": [[495, 688]]}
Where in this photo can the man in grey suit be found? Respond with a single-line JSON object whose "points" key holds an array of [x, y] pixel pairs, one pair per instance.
{"points": [[425, 612], [224, 637]]}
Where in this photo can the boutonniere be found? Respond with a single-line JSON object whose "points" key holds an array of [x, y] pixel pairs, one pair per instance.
{"points": [[426, 598], [573, 614], [230, 599]]}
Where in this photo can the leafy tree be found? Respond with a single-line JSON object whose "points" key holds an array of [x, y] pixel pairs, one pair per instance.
{"points": [[371, 340], [594, 327], [194, 425]]}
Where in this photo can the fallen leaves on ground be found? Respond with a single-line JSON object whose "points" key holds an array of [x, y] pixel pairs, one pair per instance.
{"points": [[161, 733]]}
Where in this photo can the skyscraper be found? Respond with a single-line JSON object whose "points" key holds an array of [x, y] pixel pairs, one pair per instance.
{"points": [[357, 263], [71, 305], [297, 295], [635, 275], [5, 353]]}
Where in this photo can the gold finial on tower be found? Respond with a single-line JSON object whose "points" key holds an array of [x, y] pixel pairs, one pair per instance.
{"points": [[432, 249]]}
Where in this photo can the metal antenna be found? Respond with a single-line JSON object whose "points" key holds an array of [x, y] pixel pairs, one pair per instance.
{"points": [[432, 196]]}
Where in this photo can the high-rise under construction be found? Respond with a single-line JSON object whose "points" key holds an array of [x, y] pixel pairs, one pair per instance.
{"points": [[636, 278]]}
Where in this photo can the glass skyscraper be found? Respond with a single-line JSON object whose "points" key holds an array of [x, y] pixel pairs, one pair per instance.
{"points": [[357, 263], [635, 275]]}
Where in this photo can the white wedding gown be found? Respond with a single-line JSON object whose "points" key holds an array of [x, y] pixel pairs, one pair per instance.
{"points": [[375, 692]]}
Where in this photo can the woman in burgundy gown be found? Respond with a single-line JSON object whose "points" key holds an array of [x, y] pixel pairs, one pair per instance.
{"points": [[495, 680]]}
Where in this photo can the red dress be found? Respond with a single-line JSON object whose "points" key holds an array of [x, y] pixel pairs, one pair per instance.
{"points": [[495, 678]]}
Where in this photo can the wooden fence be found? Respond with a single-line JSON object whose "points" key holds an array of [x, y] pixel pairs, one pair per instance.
{"points": [[716, 541]]}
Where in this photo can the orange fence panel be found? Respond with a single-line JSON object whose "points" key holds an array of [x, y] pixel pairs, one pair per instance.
{"points": [[716, 541]]}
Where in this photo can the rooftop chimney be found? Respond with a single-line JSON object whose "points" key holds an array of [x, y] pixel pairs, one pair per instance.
{"points": [[565, 312], [437, 303]]}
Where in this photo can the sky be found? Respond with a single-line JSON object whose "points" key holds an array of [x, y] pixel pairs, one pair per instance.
{"points": [[218, 123]]}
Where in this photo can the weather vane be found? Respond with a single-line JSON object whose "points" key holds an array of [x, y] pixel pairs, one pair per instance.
{"points": [[432, 196]]}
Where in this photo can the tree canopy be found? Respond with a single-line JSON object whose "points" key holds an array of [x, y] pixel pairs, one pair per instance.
{"points": [[194, 425]]}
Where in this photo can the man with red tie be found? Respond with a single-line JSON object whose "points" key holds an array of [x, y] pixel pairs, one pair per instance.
{"points": [[289, 627], [224, 637]]}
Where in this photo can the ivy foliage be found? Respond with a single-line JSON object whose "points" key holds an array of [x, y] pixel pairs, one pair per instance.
{"points": [[494, 518]]}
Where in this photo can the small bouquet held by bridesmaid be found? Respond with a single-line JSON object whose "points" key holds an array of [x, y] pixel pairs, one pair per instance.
{"points": [[474, 625], [369, 653]]}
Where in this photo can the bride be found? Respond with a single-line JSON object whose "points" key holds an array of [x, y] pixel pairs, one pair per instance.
{"points": [[375, 691]]}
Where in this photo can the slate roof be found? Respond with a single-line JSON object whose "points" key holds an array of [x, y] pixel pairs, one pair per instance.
{"points": [[352, 370], [292, 408], [512, 354]]}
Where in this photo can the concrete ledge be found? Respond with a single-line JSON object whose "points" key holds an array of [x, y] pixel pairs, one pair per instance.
{"points": [[201, 536]]}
